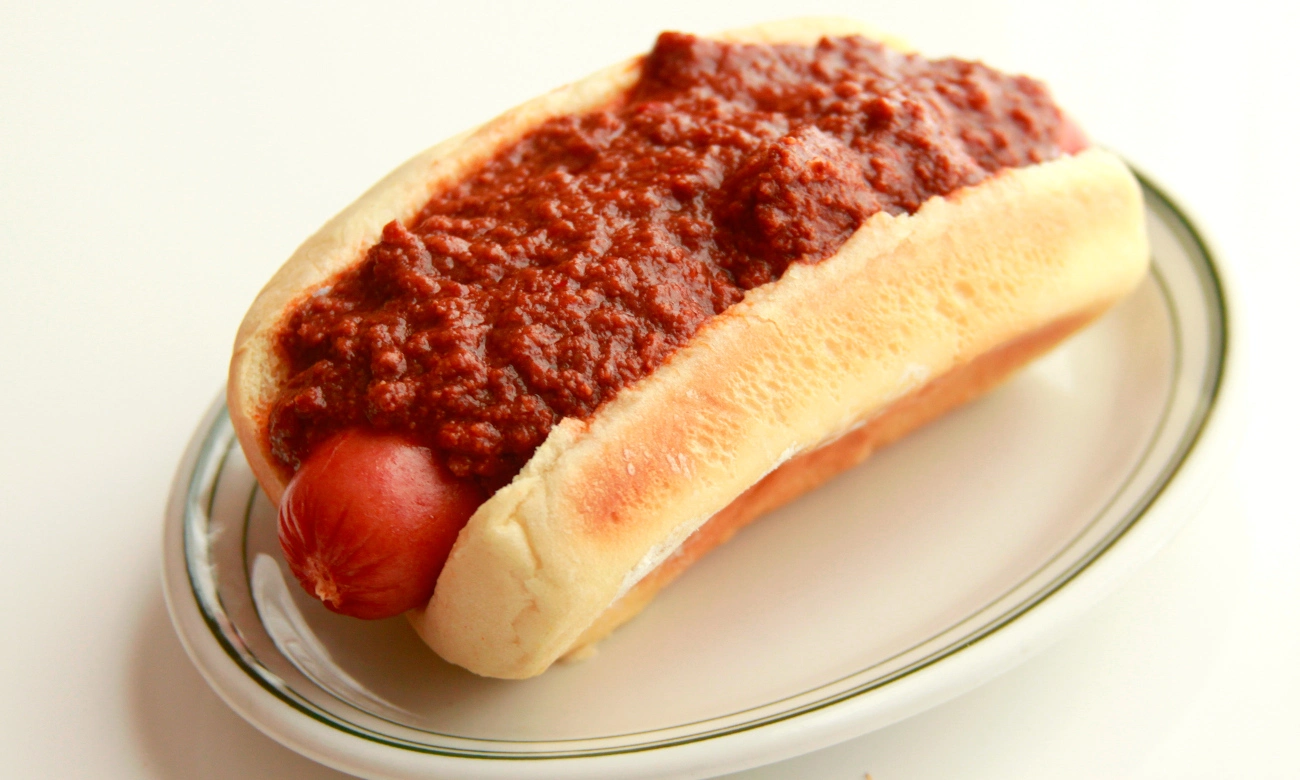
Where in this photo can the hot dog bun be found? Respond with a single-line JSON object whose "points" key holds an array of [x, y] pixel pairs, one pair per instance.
{"points": [[803, 378]]}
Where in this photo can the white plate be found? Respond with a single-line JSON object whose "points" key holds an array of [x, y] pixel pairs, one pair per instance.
{"points": [[937, 564]]}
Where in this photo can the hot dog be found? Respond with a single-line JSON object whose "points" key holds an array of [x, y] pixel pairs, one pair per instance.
{"points": [[599, 413]]}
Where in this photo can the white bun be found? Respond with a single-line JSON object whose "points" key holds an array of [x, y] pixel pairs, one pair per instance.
{"points": [[802, 379]]}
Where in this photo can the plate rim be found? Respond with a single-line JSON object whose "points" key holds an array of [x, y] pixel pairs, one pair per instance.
{"points": [[825, 722], [222, 441]]}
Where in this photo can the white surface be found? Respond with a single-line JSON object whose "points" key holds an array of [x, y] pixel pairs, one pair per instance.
{"points": [[157, 164]]}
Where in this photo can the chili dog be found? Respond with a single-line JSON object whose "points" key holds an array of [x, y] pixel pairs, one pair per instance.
{"points": [[541, 368]]}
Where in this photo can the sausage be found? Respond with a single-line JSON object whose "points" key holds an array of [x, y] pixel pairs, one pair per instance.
{"points": [[367, 522]]}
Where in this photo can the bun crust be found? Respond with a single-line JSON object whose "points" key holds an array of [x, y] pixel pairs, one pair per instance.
{"points": [[811, 469], [803, 378]]}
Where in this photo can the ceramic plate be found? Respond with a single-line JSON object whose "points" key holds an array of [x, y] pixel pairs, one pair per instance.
{"points": [[940, 562]]}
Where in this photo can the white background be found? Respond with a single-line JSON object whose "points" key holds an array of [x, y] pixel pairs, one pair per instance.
{"points": [[157, 163]]}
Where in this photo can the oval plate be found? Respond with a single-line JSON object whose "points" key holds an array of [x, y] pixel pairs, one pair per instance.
{"points": [[939, 563]]}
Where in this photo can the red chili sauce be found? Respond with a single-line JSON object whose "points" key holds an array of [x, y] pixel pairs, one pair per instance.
{"points": [[575, 261]]}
